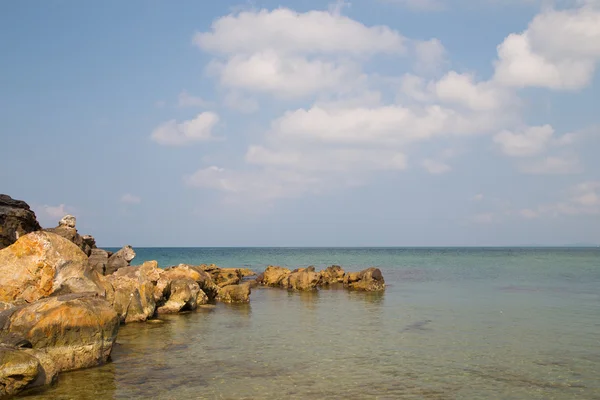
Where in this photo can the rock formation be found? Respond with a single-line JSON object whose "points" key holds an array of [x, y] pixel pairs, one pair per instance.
{"points": [[120, 259], [235, 294], [16, 220], [66, 228]]}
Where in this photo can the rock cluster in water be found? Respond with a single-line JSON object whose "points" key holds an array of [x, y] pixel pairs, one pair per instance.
{"points": [[62, 299]]}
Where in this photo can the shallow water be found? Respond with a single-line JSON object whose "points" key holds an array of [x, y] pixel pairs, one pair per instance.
{"points": [[452, 324]]}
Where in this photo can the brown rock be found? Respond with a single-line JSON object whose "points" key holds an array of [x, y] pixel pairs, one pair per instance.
{"points": [[197, 274], [332, 275], [182, 296], [120, 259], [226, 276], [17, 370], [274, 275], [16, 220], [235, 294], [303, 279], [40, 264], [66, 228], [98, 260], [75, 330], [368, 280]]}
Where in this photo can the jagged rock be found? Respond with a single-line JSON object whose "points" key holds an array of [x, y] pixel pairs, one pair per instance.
{"points": [[98, 260], [332, 275], [302, 279], [120, 259], [197, 274], [235, 294], [90, 241], [68, 221], [273, 276], [40, 264], [16, 220], [182, 296], [66, 228], [368, 280], [18, 371], [75, 330]]}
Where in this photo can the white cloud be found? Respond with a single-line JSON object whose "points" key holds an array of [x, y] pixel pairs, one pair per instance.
{"points": [[435, 167], [461, 89], [553, 166], [478, 197], [239, 102], [187, 100], [285, 31], [559, 50], [285, 76], [430, 56], [55, 211], [583, 199], [129, 198], [528, 142], [172, 133]]}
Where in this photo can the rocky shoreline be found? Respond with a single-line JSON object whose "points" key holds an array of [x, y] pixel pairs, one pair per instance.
{"points": [[62, 299]]}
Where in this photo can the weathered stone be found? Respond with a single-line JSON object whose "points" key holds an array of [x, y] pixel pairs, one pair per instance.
{"points": [[40, 264], [235, 294], [368, 280], [197, 274], [90, 241], [302, 279], [120, 259], [68, 220], [133, 298], [98, 260], [16, 220], [17, 370], [75, 330], [332, 275], [66, 228], [274, 275], [182, 296]]}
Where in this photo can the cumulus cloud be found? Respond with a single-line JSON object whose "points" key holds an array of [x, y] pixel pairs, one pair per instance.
{"points": [[187, 100], [173, 133], [553, 165], [582, 199], [559, 50], [129, 198], [435, 167], [239, 102], [530, 141], [58, 211], [430, 56]]}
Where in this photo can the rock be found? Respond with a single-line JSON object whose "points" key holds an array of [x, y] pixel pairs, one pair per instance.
{"points": [[66, 229], [120, 259], [40, 264], [274, 275], [133, 298], [303, 279], [197, 274], [332, 275], [68, 221], [17, 370], [98, 260], [182, 296], [74, 330], [368, 280], [226, 276], [235, 294], [90, 241], [16, 220]]}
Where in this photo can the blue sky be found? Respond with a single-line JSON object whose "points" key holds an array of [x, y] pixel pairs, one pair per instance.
{"points": [[305, 123]]}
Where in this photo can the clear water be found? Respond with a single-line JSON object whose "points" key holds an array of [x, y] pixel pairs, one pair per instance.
{"points": [[452, 324]]}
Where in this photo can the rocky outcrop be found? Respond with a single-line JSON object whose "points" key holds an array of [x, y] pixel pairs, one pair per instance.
{"points": [[302, 279], [273, 276], [368, 280], [235, 294], [120, 259], [66, 228], [16, 220], [332, 275], [98, 260], [195, 273], [183, 294], [22, 369], [41, 264], [74, 330]]}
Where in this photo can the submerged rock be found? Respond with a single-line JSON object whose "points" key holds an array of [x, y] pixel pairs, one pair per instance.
{"points": [[332, 275], [368, 280], [74, 330], [40, 264], [16, 220], [235, 294], [273, 276], [302, 279]]}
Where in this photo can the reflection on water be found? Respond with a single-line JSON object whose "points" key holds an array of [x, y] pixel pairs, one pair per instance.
{"points": [[434, 338]]}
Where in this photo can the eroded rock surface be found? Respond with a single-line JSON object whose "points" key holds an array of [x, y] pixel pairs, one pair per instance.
{"points": [[235, 294], [120, 259], [273, 276], [16, 220], [66, 228], [368, 280]]}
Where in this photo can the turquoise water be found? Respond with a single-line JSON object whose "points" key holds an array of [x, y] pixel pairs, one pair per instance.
{"points": [[452, 324]]}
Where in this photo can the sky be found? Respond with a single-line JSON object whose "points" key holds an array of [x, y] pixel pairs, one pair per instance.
{"points": [[305, 123]]}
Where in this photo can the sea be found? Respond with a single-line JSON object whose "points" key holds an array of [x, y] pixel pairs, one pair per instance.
{"points": [[453, 323]]}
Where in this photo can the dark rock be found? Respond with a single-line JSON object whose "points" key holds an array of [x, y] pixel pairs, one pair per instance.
{"points": [[368, 280], [120, 259], [98, 260], [66, 228], [16, 220]]}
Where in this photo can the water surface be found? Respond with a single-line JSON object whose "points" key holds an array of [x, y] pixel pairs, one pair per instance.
{"points": [[452, 324]]}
